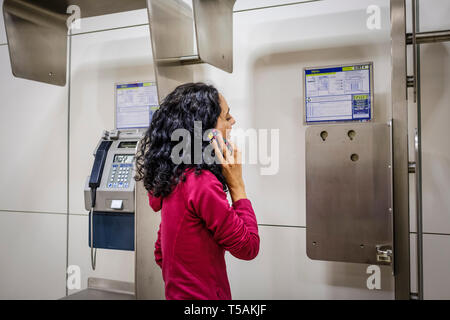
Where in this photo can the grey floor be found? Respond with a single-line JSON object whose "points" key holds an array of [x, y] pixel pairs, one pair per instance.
{"points": [[94, 294]]}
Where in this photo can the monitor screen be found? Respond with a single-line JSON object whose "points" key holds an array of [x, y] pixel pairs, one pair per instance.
{"points": [[135, 104], [127, 144], [123, 158], [339, 93]]}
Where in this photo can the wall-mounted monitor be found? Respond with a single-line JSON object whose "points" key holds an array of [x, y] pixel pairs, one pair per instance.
{"points": [[340, 93], [135, 104]]}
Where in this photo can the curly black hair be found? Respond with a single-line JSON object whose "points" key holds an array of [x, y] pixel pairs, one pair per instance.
{"points": [[188, 103]]}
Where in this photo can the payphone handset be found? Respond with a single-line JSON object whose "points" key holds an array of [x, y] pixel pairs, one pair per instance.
{"points": [[94, 183], [97, 168]]}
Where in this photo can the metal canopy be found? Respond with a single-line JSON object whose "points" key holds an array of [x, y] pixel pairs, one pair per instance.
{"points": [[189, 32], [37, 35]]}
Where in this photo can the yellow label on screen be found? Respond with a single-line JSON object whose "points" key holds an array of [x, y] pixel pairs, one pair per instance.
{"points": [[321, 74]]}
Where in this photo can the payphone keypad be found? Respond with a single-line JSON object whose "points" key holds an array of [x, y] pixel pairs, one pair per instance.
{"points": [[120, 175]]}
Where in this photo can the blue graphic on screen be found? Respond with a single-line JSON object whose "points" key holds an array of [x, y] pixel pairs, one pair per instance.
{"points": [[338, 94]]}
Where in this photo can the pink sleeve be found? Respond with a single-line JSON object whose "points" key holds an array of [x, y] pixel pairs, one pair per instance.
{"points": [[233, 227], [158, 252], [156, 204]]}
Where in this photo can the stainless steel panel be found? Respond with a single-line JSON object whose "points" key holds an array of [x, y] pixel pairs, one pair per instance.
{"points": [[37, 38], [37, 34], [400, 150], [214, 32], [172, 35], [171, 28], [174, 27], [348, 192], [148, 275]]}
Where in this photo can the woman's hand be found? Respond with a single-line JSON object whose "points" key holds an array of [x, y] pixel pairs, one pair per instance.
{"points": [[231, 167]]}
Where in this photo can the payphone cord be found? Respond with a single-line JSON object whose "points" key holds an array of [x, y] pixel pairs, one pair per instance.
{"points": [[93, 251]]}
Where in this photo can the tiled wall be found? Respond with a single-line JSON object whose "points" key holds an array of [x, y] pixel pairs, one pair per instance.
{"points": [[435, 81], [33, 188], [33, 248], [44, 179], [99, 60], [284, 40]]}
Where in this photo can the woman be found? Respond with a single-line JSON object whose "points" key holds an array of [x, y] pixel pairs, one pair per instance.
{"points": [[197, 222]]}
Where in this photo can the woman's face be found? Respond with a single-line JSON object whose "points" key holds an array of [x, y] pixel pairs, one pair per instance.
{"points": [[225, 120]]}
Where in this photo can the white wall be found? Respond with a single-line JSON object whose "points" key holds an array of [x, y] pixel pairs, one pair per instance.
{"points": [[284, 40], [99, 60], [112, 21], [435, 72], [33, 192], [435, 81], [33, 249], [283, 271], [39, 172], [255, 4], [264, 92]]}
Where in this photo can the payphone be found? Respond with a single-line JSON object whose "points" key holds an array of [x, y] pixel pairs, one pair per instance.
{"points": [[110, 190]]}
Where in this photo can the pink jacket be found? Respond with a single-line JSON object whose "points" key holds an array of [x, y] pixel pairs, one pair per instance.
{"points": [[197, 226]]}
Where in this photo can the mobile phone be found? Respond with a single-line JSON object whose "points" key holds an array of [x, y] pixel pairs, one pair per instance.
{"points": [[215, 133]]}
